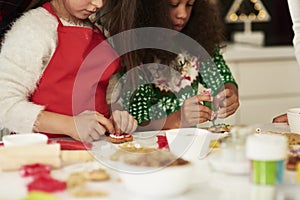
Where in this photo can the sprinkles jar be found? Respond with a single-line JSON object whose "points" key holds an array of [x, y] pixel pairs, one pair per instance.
{"points": [[267, 153]]}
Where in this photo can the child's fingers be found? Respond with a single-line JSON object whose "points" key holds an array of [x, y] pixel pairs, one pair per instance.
{"points": [[132, 125], [108, 125], [123, 122], [99, 130], [201, 98], [118, 121]]}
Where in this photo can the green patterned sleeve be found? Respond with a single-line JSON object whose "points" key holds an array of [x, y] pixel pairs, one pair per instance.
{"points": [[144, 101], [148, 103], [138, 103], [215, 73], [223, 68]]}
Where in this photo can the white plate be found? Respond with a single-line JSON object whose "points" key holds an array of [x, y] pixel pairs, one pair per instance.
{"points": [[189, 143]]}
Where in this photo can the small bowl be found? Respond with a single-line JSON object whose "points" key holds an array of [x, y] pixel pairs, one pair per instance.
{"points": [[168, 181], [190, 143], [293, 115], [25, 139]]}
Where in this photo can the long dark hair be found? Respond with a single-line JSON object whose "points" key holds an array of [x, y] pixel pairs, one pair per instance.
{"points": [[204, 26]]}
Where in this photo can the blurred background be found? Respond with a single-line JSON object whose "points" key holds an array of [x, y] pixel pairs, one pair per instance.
{"points": [[265, 68], [278, 31]]}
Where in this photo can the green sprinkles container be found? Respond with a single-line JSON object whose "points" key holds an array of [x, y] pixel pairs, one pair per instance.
{"points": [[266, 153]]}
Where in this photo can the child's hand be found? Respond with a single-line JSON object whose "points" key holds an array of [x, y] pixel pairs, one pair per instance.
{"points": [[194, 112], [90, 125], [226, 102], [281, 119], [123, 122]]}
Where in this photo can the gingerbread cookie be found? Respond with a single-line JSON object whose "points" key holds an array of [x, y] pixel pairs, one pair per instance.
{"points": [[96, 175], [120, 138], [79, 178], [293, 138]]}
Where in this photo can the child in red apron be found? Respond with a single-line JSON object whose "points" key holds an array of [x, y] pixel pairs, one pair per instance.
{"points": [[67, 95]]}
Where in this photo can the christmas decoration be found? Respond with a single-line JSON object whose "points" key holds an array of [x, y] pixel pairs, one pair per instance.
{"points": [[247, 12]]}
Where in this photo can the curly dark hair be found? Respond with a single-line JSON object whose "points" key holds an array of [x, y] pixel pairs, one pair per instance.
{"points": [[204, 26]]}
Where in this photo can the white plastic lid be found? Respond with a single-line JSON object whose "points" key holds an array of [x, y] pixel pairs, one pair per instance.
{"points": [[267, 147]]}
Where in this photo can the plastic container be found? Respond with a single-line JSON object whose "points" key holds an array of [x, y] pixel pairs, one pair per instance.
{"points": [[266, 153], [233, 148], [232, 155]]}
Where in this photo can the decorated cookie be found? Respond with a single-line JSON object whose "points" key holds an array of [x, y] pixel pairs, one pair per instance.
{"points": [[120, 138]]}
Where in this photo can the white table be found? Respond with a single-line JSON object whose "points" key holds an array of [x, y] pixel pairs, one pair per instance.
{"points": [[207, 184]]}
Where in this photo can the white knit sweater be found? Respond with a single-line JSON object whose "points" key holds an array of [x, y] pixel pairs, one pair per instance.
{"points": [[26, 51], [294, 6]]}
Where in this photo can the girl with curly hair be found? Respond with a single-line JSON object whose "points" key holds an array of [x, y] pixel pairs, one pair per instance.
{"points": [[197, 77]]}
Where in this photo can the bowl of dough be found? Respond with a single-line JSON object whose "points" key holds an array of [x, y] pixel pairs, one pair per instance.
{"points": [[154, 172]]}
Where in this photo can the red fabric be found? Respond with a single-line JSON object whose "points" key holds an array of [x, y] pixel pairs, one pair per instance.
{"points": [[78, 73]]}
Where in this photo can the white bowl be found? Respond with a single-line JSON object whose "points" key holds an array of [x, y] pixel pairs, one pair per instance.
{"points": [[293, 115], [168, 181], [24, 139], [190, 143]]}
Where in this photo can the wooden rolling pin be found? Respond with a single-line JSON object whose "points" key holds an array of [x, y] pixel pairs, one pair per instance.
{"points": [[12, 158]]}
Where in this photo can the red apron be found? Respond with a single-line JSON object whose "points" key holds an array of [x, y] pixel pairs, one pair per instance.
{"points": [[78, 73]]}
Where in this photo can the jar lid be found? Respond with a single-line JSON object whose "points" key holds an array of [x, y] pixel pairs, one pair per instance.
{"points": [[266, 147]]}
